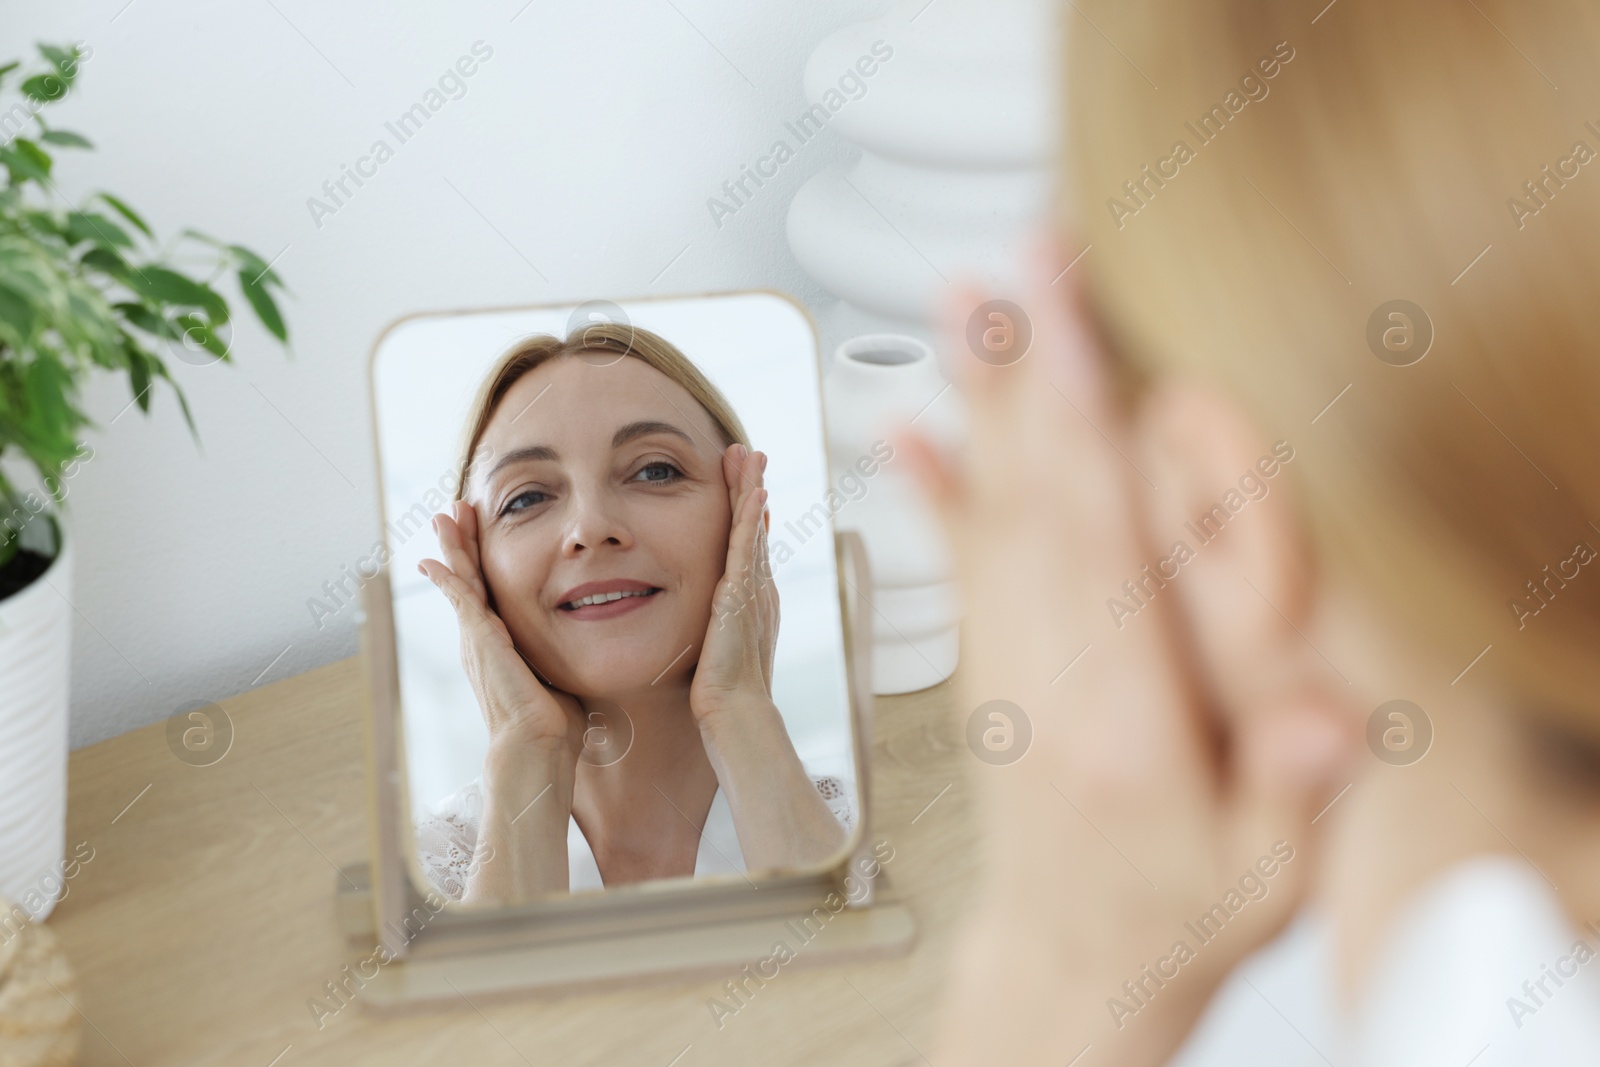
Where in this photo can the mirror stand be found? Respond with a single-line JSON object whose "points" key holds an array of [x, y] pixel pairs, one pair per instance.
{"points": [[811, 936]]}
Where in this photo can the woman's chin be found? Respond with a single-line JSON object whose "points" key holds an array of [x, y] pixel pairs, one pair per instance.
{"points": [[629, 666], [620, 682]]}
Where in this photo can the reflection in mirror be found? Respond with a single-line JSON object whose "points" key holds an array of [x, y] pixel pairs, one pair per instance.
{"points": [[595, 519]]}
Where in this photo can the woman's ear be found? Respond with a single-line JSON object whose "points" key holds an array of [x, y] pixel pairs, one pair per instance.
{"points": [[1223, 523]]}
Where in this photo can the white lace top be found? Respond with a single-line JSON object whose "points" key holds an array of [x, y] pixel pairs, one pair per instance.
{"points": [[447, 837]]}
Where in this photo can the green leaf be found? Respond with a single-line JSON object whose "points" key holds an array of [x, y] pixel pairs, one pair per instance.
{"points": [[139, 377], [260, 272], [183, 402], [27, 272], [128, 213], [18, 313], [107, 262], [145, 319], [9, 501], [46, 88], [266, 308], [21, 167], [48, 221], [66, 138], [163, 286], [49, 383], [82, 226], [64, 60], [90, 324], [195, 330], [35, 155]]}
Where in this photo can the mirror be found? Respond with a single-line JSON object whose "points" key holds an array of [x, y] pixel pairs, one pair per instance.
{"points": [[617, 663]]}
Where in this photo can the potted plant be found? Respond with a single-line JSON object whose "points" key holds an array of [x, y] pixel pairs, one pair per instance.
{"points": [[83, 285]]}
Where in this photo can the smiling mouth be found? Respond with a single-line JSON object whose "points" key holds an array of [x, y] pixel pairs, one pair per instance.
{"points": [[606, 598]]}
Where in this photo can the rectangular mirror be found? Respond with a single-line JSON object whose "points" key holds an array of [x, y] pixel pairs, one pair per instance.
{"points": [[624, 679]]}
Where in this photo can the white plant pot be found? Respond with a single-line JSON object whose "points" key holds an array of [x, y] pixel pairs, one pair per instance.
{"points": [[35, 640], [878, 382]]}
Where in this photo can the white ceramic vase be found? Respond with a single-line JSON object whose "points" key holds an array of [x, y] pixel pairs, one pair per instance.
{"points": [[35, 642], [879, 382]]}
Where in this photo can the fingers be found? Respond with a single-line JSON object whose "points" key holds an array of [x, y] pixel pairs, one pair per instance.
{"points": [[767, 597], [935, 473], [471, 611], [744, 539], [459, 547], [743, 470], [1290, 769], [1047, 529], [745, 598], [467, 523]]}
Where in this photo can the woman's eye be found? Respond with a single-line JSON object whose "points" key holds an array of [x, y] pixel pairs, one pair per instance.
{"points": [[658, 472], [522, 501]]}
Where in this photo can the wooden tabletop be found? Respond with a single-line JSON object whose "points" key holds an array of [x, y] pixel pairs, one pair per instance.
{"points": [[205, 920]]}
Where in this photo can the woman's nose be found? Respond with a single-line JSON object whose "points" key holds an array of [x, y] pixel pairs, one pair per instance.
{"points": [[596, 519]]}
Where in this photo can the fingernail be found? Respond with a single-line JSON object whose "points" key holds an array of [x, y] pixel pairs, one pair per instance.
{"points": [[422, 570], [763, 456]]}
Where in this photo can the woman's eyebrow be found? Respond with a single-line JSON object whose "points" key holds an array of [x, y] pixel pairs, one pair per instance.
{"points": [[521, 455], [643, 427], [620, 438]]}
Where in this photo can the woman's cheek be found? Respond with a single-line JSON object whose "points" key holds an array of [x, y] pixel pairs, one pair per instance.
{"points": [[711, 543], [514, 582], [691, 543]]}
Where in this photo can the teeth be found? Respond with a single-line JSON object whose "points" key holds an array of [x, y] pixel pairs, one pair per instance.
{"points": [[602, 598]]}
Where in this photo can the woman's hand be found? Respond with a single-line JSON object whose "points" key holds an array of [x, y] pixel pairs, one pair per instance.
{"points": [[535, 735], [517, 707], [781, 819], [1156, 787], [735, 665]]}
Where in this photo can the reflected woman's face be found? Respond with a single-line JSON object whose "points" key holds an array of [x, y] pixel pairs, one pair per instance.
{"points": [[606, 479]]}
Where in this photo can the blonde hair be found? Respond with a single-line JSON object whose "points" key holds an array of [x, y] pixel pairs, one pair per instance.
{"points": [[1383, 159], [616, 339]]}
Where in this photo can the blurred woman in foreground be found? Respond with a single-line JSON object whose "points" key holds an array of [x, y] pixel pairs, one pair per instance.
{"points": [[1310, 428]]}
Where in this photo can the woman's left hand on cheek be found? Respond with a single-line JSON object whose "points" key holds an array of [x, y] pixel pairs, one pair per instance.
{"points": [[1142, 799], [736, 657]]}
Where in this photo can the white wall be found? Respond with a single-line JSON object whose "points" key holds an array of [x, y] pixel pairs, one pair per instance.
{"points": [[591, 141]]}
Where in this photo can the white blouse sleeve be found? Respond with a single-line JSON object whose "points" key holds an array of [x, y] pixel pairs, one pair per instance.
{"points": [[447, 837], [839, 799]]}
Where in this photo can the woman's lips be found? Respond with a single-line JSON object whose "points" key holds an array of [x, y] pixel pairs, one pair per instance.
{"points": [[611, 597], [611, 608]]}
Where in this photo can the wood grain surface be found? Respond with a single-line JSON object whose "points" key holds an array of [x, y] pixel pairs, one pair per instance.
{"points": [[205, 921]]}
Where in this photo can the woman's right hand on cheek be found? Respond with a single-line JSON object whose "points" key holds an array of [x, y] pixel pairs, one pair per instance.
{"points": [[519, 710]]}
